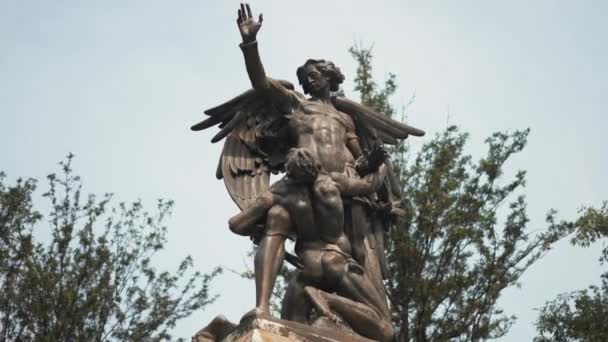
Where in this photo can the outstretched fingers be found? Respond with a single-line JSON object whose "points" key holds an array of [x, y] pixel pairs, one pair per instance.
{"points": [[249, 15], [243, 12], [246, 22]]}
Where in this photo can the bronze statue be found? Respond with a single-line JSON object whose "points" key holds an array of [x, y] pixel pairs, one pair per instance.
{"points": [[333, 199]]}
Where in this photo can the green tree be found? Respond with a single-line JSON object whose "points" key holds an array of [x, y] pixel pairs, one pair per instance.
{"points": [[95, 279], [580, 315], [449, 254]]}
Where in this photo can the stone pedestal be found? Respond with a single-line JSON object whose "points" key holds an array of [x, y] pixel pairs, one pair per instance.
{"points": [[271, 330]]}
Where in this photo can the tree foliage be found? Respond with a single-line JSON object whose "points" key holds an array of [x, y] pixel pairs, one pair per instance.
{"points": [[94, 280], [580, 315], [463, 234]]}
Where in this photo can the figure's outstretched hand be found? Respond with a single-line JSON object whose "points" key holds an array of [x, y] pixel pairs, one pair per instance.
{"points": [[372, 161], [247, 25], [376, 157]]}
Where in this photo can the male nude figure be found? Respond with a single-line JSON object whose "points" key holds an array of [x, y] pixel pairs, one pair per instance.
{"points": [[316, 125], [324, 253]]}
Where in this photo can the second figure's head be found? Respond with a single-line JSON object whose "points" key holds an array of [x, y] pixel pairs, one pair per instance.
{"points": [[302, 165]]}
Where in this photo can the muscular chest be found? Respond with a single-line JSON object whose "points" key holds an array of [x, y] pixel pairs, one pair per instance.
{"points": [[325, 124]]}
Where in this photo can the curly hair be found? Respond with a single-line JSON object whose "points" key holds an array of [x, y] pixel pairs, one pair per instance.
{"points": [[327, 68], [302, 165]]}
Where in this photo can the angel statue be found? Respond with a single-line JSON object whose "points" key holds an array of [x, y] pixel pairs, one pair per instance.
{"points": [[333, 200]]}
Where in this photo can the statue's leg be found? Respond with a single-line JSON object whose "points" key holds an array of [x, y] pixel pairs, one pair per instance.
{"points": [[356, 229], [363, 319], [270, 255], [361, 225], [350, 282], [355, 284], [296, 305], [269, 258]]}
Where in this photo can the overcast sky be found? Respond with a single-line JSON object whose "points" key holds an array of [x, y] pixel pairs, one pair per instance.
{"points": [[119, 83]]}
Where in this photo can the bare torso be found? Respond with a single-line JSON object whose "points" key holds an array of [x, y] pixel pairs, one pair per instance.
{"points": [[308, 229], [322, 129]]}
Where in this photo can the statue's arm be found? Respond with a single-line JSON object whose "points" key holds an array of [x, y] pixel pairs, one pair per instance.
{"points": [[352, 143], [352, 140], [255, 69], [249, 28], [254, 66], [352, 186]]}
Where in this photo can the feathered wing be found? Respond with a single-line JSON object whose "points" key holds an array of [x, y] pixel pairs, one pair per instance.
{"points": [[371, 125], [255, 143], [376, 129]]}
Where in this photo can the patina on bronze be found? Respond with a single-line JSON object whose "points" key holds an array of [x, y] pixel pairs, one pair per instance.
{"points": [[335, 199]]}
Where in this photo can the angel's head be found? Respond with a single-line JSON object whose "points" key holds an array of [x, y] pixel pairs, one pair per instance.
{"points": [[302, 165], [318, 74]]}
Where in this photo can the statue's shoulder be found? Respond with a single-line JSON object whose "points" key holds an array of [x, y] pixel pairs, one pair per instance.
{"points": [[282, 186]]}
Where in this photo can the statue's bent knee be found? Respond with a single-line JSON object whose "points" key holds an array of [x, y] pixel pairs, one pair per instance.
{"points": [[238, 227]]}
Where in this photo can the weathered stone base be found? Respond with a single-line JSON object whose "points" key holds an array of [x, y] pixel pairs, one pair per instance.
{"points": [[269, 329]]}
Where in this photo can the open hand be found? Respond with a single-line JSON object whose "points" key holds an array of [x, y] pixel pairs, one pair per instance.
{"points": [[247, 25], [376, 157], [372, 161]]}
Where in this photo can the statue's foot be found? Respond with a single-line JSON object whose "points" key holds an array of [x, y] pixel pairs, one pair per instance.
{"points": [[317, 298], [219, 328], [255, 313]]}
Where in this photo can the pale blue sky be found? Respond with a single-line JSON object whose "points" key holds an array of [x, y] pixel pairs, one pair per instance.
{"points": [[119, 83]]}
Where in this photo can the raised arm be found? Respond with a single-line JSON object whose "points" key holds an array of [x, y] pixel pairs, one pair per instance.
{"points": [[249, 29]]}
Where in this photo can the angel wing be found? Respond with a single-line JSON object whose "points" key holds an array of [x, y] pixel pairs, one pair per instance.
{"points": [[372, 126], [255, 143], [376, 129]]}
